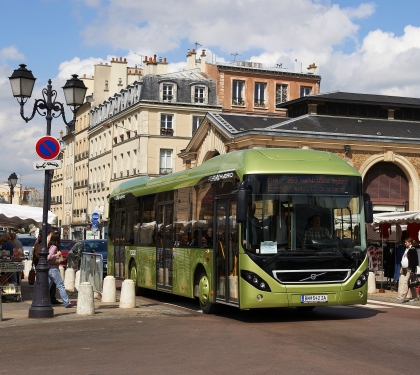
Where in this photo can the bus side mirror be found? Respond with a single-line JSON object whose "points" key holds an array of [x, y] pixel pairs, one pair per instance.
{"points": [[368, 209], [242, 203]]}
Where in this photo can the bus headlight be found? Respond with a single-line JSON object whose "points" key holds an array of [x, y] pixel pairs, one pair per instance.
{"points": [[361, 280], [255, 281]]}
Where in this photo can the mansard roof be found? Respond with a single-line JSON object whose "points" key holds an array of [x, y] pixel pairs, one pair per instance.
{"points": [[355, 98]]}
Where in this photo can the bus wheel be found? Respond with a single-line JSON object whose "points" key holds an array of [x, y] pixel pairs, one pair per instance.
{"points": [[305, 308], [204, 295], [133, 276]]}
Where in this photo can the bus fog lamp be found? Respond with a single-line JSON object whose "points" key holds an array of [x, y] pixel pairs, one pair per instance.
{"points": [[360, 294], [259, 297]]}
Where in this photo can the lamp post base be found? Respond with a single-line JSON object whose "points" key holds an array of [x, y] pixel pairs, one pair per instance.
{"points": [[40, 312]]}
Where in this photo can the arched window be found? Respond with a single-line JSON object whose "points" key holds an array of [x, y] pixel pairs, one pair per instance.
{"points": [[387, 185]]}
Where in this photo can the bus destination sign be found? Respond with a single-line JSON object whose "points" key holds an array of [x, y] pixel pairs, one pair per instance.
{"points": [[308, 184]]}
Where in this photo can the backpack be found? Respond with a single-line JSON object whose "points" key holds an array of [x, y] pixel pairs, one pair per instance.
{"points": [[35, 257]]}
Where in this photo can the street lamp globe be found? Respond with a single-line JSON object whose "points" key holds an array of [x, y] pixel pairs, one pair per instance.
{"points": [[12, 181], [74, 91], [22, 82]]}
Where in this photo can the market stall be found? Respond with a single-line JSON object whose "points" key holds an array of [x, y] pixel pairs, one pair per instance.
{"points": [[393, 228], [16, 216]]}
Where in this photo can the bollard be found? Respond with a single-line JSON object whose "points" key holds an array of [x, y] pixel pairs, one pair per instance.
{"points": [[371, 283], [69, 279], [77, 281], [27, 267], [1, 311], [128, 295], [62, 274], [85, 305], [109, 293]]}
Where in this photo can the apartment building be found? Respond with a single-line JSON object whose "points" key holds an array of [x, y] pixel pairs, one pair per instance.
{"points": [[253, 88], [140, 130]]}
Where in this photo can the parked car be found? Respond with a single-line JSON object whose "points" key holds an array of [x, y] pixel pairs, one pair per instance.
{"points": [[28, 243], [87, 246], [65, 246]]}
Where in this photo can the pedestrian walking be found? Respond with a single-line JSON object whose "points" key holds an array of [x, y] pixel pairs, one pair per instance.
{"points": [[53, 273], [409, 265]]}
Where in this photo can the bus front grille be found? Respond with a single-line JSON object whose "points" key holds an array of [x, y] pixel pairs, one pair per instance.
{"points": [[318, 276]]}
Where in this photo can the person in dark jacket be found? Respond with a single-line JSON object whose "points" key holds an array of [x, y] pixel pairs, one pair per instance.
{"points": [[413, 262]]}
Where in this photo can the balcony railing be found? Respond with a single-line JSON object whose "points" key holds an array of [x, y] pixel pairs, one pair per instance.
{"points": [[165, 170]]}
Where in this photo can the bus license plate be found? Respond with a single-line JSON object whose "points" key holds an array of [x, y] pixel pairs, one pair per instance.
{"points": [[315, 298]]}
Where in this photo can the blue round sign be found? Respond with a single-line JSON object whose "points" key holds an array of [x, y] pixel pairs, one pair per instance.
{"points": [[95, 217]]}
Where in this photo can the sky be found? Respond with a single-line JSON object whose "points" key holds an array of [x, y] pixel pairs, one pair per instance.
{"points": [[359, 46]]}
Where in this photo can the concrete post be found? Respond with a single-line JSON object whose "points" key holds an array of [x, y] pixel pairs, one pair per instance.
{"points": [[61, 269], [27, 267], [77, 281], [128, 295], [69, 279], [371, 283], [109, 293], [85, 305]]}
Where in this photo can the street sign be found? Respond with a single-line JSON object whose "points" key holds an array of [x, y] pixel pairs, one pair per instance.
{"points": [[47, 147], [44, 165], [95, 217]]}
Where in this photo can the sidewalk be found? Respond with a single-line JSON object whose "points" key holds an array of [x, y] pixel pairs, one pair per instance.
{"points": [[16, 313]]}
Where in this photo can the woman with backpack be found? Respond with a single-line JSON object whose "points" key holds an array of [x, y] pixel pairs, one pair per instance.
{"points": [[53, 273]]}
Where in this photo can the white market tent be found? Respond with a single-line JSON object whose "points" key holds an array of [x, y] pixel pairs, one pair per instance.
{"points": [[397, 217], [17, 216]]}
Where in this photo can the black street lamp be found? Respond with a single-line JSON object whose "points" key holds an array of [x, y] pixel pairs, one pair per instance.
{"points": [[12, 181], [22, 82]]}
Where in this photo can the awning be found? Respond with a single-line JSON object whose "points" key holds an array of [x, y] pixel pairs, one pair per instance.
{"points": [[17, 216], [397, 217]]}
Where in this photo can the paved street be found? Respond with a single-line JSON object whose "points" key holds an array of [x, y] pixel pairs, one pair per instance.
{"points": [[167, 334]]}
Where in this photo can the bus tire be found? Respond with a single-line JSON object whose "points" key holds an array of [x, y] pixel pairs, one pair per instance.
{"points": [[133, 276], [204, 294], [305, 308]]}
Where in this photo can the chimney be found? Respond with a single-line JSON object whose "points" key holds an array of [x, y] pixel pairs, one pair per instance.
{"points": [[203, 61], [191, 63], [312, 69], [84, 75], [145, 59], [125, 60], [164, 60], [154, 58]]}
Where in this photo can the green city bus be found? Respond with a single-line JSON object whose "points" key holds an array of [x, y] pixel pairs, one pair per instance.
{"points": [[236, 230]]}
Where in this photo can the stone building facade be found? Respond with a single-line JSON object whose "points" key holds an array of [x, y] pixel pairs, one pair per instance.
{"points": [[378, 135]]}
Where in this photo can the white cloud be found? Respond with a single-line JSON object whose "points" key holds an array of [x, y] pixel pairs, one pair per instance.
{"points": [[232, 26], [11, 53]]}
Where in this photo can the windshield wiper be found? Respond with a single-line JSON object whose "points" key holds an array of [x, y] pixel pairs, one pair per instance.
{"points": [[274, 257], [344, 252]]}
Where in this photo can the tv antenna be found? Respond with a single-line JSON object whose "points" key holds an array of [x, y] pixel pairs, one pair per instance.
{"points": [[141, 59], [234, 55], [197, 44], [279, 65]]}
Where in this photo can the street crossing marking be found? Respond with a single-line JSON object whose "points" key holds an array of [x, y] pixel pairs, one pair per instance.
{"points": [[407, 306]]}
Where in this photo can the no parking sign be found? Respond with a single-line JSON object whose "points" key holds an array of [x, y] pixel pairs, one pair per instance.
{"points": [[47, 147]]}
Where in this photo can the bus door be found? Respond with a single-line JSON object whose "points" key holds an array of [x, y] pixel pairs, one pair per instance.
{"points": [[164, 244], [226, 250], [119, 240]]}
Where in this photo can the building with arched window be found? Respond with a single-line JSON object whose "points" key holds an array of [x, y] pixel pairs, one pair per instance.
{"points": [[378, 135]]}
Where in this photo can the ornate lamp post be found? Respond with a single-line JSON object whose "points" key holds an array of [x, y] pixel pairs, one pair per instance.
{"points": [[22, 82], [12, 181]]}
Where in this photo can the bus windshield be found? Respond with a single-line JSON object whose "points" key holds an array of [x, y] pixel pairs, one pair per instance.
{"points": [[297, 215]]}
